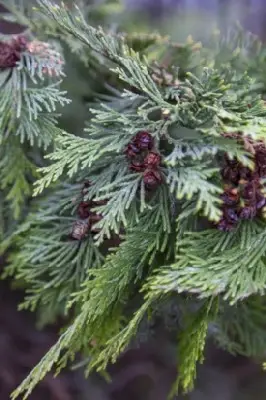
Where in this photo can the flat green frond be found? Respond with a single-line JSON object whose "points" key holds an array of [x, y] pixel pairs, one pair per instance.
{"points": [[124, 264], [113, 278], [194, 145], [195, 150], [43, 100], [191, 344], [41, 131], [234, 273], [28, 95], [240, 329], [187, 182], [15, 171], [73, 154], [68, 22], [118, 343], [61, 264], [120, 194]]}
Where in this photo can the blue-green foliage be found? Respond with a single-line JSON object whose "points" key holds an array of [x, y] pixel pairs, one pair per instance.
{"points": [[30, 94], [153, 246]]}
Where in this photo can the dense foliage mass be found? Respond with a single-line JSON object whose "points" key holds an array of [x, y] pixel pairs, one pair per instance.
{"points": [[160, 201]]}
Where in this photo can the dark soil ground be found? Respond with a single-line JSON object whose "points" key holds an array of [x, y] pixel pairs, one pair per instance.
{"points": [[142, 374]]}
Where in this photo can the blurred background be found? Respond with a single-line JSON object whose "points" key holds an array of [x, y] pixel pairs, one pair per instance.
{"points": [[145, 373]]}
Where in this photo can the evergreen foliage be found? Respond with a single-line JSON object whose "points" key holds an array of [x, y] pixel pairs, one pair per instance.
{"points": [[127, 213], [30, 94]]}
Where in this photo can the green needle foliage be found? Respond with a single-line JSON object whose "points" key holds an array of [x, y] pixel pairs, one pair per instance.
{"points": [[150, 237], [30, 95]]}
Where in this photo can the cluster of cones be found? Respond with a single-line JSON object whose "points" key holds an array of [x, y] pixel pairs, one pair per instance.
{"points": [[10, 52], [143, 158], [88, 218], [244, 196]]}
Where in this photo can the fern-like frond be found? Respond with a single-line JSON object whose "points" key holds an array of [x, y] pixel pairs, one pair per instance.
{"points": [[15, 170], [235, 273], [26, 99], [30, 95], [61, 264], [240, 329], [118, 343], [121, 268], [74, 154], [191, 346], [189, 181]]}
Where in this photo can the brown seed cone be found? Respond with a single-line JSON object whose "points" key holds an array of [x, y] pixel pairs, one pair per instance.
{"points": [[260, 158], [249, 191], [8, 56], [137, 166], [152, 178], [162, 77], [94, 218], [230, 197], [153, 159], [80, 229], [131, 150], [143, 140], [83, 210], [248, 212], [231, 174], [256, 148], [20, 43], [10, 52]]}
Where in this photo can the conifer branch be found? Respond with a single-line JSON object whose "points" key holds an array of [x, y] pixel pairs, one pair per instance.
{"points": [[235, 272], [113, 278], [15, 169], [191, 180], [28, 105], [165, 152], [240, 329], [191, 346]]}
